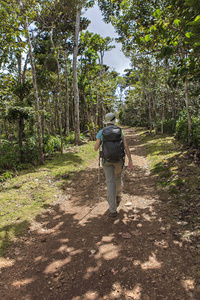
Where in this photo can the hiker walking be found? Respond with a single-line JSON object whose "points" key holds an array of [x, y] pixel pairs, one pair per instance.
{"points": [[114, 148]]}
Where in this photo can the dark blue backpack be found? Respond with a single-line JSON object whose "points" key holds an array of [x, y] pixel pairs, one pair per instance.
{"points": [[113, 144]]}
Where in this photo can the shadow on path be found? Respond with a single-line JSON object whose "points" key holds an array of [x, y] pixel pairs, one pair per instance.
{"points": [[75, 251]]}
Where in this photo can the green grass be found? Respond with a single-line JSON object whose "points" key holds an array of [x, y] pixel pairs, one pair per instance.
{"points": [[25, 196]]}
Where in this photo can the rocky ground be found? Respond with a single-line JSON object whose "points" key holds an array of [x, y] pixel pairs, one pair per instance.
{"points": [[75, 251]]}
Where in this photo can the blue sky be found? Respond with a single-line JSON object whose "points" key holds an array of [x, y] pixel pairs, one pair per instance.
{"points": [[114, 58]]}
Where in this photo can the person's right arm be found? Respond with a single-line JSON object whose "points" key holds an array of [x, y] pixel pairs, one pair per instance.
{"points": [[97, 144]]}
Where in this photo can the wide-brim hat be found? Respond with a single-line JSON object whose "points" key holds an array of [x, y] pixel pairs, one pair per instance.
{"points": [[110, 118]]}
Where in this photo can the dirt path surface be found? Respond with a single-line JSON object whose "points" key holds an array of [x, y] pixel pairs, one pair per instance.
{"points": [[76, 251]]}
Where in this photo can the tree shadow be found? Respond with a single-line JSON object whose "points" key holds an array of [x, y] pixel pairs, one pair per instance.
{"points": [[69, 254], [75, 251], [9, 231]]}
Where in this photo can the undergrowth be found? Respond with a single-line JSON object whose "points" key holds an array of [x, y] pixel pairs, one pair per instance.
{"points": [[30, 192]]}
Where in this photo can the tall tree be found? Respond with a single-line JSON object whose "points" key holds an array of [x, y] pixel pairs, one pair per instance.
{"points": [[39, 130]]}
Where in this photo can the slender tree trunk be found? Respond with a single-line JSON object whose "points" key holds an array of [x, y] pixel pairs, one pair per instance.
{"points": [[56, 108], [155, 113], [163, 113], [150, 118], [59, 103], [0, 136], [67, 97], [35, 94], [97, 110], [20, 134], [187, 109], [60, 107], [162, 118], [21, 120], [173, 106], [75, 79], [52, 119], [184, 55], [42, 115]]}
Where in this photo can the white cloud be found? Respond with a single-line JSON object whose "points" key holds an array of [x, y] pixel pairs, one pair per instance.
{"points": [[114, 58]]}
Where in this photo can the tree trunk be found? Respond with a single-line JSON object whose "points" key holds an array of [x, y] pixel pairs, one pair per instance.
{"points": [[21, 120], [75, 79], [162, 119], [42, 115], [150, 119], [67, 98], [0, 137], [20, 134], [35, 94], [155, 113], [187, 109], [162, 112], [60, 107], [52, 119], [97, 111]]}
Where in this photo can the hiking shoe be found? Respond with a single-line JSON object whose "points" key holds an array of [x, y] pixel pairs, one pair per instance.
{"points": [[113, 215], [118, 200]]}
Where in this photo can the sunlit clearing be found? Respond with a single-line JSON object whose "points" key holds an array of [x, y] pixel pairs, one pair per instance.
{"points": [[188, 284], [108, 252], [136, 262], [54, 266], [90, 295], [89, 271], [70, 250], [6, 262], [63, 249], [152, 263], [64, 240], [107, 238], [18, 283], [38, 258], [135, 293]]}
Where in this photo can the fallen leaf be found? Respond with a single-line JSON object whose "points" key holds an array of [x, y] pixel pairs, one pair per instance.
{"points": [[114, 272]]}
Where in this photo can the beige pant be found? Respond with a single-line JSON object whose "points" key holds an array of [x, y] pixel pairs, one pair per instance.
{"points": [[113, 173]]}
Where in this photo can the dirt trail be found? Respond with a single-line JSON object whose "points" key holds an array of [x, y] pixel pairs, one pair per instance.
{"points": [[75, 251]]}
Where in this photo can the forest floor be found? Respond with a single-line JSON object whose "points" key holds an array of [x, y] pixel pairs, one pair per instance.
{"points": [[75, 251]]}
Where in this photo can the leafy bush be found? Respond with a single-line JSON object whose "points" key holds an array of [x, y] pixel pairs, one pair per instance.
{"points": [[9, 157], [71, 138], [195, 138], [30, 151], [51, 144], [182, 129], [6, 175], [169, 126], [14, 158]]}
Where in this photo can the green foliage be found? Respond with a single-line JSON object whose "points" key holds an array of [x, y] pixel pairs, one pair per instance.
{"points": [[71, 138], [14, 158], [8, 157], [6, 175], [51, 144], [195, 139], [182, 129], [169, 126]]}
